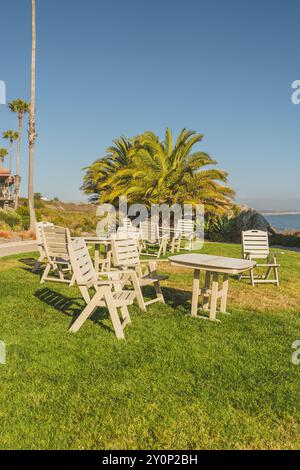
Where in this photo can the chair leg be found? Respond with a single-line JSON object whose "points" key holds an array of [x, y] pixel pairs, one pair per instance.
{"points": [[138, 291], [165, 243], [125, 315], [38, 263], [113, 312], [276, 276], [60, 272], [87, 311], [85, 294], [158, 291], [45, 273], [252, 278], [72, 282]]}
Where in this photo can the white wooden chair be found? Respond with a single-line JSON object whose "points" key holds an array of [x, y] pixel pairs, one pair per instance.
{"points": [[183, 232], [124, 233], [150, 237], [40, 244], [126, 223], [125, 255], [256, 246], [55, 243], [86, 278]]}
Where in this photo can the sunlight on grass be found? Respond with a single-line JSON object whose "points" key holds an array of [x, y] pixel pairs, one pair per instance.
{"points": [[175, 382]]}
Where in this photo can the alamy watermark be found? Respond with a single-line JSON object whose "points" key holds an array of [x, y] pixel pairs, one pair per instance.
{"points": [[296, 93], [296, 353], [2, 92], [165, 220], [2, 353]]}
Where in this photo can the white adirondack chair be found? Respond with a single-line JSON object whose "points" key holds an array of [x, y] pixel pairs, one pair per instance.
{"points": [[40, 244], [55, 242], [184, 231], [86, 278], [256, 246], [125, 255], [150, 237]]}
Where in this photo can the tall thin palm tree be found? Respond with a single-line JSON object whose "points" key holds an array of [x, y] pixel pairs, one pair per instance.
{"points": [[20, 107], [11, 136], [32, 133], [3, 154]]}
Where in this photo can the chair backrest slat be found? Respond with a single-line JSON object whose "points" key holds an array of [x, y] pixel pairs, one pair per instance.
{"points": [[55, 240], [126, 223], [185, 226], [81, 262], [255, 244], [38, 230], [149, 230], [124, 233], [125, 253]]}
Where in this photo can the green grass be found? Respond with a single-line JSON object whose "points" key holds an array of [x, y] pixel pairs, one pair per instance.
{"points": [[175, 382]]}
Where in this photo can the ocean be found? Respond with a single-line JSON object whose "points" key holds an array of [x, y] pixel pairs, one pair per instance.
{"points": [[284, 221]]}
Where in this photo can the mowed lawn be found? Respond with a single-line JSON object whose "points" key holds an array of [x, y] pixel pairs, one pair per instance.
{"points": [[175, 383]]}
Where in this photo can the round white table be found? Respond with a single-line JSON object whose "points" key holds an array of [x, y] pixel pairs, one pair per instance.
{"points": [[214, 267]]}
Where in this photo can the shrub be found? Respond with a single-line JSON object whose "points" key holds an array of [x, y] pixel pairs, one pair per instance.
{"points": [[285, 240], [11, 218], [23, 212]]}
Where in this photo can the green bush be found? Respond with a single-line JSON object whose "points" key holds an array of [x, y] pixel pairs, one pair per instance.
{"points": [[23, 212], [285, 240], [10, 218]]}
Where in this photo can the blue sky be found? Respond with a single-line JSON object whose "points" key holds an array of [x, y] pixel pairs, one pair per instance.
{"points": [[221, 67]]}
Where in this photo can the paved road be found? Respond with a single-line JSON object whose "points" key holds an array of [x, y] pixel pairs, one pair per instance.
{"points": [[15, 248]]}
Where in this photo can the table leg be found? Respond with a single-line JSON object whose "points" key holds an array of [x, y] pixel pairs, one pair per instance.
{"points": [[195, 298], [214, 296], [207, 286], [224, 293]]}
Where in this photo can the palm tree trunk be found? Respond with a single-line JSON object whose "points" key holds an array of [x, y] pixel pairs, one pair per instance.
{"points": [[32, 134], [10, 155], [18, 168]]}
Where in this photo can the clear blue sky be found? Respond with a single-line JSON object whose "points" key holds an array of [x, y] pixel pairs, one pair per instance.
{"points": [[106, 68]]}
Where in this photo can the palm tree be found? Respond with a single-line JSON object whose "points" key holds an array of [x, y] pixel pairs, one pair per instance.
{"points": [[154, 171], [119, 156], [20, 107], [11, 136], [3, 154], [32, 133]]}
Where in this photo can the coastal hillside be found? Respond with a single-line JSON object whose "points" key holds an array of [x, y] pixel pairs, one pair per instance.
{"points": [[80, 218]]}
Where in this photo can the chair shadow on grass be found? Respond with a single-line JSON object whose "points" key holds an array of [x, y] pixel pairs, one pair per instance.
{"points": [[30, 264], [173, 297], [71, 307]]}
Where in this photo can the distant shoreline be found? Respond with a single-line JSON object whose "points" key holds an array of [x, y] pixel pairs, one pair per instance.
{"points": [[268, 213]]}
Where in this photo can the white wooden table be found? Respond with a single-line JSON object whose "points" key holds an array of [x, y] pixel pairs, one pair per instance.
{"points": [[214, 267]]}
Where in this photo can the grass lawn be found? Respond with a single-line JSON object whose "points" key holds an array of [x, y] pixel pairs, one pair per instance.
{"points": [[175, 383]]}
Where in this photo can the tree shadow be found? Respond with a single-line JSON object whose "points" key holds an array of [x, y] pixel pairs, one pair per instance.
{"points": [[71, 306]]}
